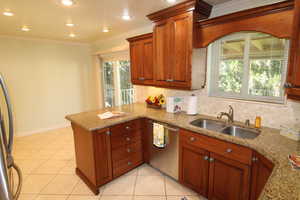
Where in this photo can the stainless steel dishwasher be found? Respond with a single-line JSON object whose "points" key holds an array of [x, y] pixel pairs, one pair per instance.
{"points": [[165, 157]]}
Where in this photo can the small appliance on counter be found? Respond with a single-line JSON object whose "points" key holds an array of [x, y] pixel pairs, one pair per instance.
{"points": [[175, 104]]}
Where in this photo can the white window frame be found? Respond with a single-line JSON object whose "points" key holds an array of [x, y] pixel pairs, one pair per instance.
{"points": [[214, 52]]}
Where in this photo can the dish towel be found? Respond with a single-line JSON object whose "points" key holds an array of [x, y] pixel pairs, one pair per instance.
{"points": [[158, 135]]}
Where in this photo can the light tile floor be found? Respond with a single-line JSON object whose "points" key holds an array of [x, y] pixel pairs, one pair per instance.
{"points": [[47, 161]]}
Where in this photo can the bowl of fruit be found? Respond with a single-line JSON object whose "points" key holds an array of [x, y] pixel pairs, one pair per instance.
{"points": [[155, 101]]}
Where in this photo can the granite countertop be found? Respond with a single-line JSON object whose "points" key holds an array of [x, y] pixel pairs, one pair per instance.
{"points": [[283, 184]]}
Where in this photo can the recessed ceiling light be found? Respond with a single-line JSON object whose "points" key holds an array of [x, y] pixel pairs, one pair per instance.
{"points": [[70, 24], [72, 35], [171, 1], [8, 13], [105, 30], [126, 17], [25, 28], [67, 2]]}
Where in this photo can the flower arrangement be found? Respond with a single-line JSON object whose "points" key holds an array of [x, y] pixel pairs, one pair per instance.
{"points": [[155, 101]]}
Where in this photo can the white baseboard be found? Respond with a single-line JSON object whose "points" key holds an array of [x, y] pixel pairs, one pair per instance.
{"points": [[27, 133]]}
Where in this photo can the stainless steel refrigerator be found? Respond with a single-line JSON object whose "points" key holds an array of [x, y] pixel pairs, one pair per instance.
{"points": [[10, 187]]}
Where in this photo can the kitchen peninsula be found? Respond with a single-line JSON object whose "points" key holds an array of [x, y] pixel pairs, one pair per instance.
{"points": [[101, 147]]}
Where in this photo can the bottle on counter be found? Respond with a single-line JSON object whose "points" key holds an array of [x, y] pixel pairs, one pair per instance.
{"points": [[258, 122]]}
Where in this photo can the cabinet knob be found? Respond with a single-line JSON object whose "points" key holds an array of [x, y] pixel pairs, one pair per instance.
{"points": [[206, 157], [127, 138], [127, 127], [192, 139], [128, 150], [108, 132], [229, 150], [254, 159], [211, 160], [129, 163]]}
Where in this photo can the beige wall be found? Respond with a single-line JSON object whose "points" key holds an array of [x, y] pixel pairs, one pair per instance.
{"points": [[47, 80]]}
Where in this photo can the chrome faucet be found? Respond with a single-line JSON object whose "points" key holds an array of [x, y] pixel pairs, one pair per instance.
{"points": [[229, 115]]}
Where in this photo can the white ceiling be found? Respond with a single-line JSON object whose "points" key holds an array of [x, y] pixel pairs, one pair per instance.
{"points": [[47, 18]]}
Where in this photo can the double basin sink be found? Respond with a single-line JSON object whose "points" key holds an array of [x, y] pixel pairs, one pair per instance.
{"points": [[221, 127]]}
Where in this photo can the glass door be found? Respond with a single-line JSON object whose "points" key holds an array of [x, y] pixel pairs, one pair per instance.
{"points": [[117, 86]]}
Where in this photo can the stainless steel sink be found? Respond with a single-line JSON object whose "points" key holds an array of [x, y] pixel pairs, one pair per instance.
{"points": [[209, 124], [218, 126], [241, 132]]}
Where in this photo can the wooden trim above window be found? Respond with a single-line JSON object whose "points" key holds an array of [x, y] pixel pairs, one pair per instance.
{"points": [[275, 19]]}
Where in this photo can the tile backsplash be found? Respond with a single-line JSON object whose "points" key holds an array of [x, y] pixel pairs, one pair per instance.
{"points": [[273, 115]]}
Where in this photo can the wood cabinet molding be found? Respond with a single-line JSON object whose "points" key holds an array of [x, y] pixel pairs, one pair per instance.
{"points": [[140, 37], [261, 19], [200, 7]]}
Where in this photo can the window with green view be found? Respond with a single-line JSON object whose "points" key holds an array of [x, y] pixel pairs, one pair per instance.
{"points": [[250, 66]]}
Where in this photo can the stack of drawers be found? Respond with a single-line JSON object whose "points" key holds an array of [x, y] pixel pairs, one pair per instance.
{"points": [[126, 143]]}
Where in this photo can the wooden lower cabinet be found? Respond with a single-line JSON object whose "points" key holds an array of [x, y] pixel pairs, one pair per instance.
{"points": [[105, 154], [261, 171], [205, 168], [93, 156], [194, 168], [228, 179]]}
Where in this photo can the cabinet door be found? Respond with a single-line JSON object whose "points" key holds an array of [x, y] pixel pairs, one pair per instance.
{"points": [[181, 49], [103, 156], [261, 171], [161, 52], [148, 60], [193, 168], [294, 62], [136, 59], [228, 179]]}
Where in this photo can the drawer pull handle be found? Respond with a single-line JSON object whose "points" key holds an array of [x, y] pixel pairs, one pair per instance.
{"points": [[254, 159], [229, 150], [192, 139], [129, 163], [206, 157], [127, 139], [211, 160], [127, 127], [128, 150]]}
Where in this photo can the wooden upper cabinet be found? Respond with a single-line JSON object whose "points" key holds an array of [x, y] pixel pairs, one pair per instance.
{"points": [[141, 59], [293, 79], [181, 49], [228, 179], [161, 52], [173, 43]]}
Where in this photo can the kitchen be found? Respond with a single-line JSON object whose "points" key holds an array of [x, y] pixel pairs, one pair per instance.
{"points": [[151, 100]]}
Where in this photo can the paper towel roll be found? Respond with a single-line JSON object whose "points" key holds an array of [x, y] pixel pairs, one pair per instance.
{"points": [[192, 105]]}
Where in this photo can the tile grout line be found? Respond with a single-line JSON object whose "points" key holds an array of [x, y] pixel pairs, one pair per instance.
{"points": [[135, 183]]}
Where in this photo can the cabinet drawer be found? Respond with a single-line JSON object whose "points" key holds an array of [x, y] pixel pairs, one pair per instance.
{"points": [[125, 139], [226, 149], [125, 128], [126, 151], [127, 164]]}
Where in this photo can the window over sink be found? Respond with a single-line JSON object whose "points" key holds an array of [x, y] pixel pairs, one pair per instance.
{"points": [[249, 66]]}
